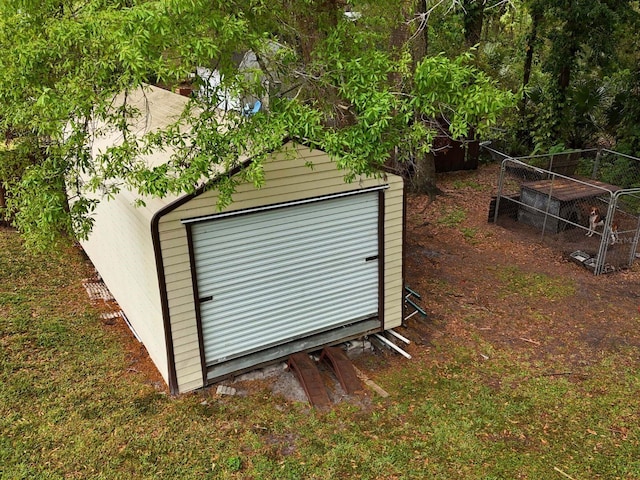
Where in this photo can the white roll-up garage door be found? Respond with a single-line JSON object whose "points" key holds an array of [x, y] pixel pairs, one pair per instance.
{"points": [[272, 276]]}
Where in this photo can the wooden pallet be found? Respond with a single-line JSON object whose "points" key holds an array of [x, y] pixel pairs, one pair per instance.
{"points": [[309, 376], [343, 369]]}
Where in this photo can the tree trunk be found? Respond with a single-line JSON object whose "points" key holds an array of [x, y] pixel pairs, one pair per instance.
{"points": [[473, 21], [564, 78], [3, 196], [314, 23], [528, 61], [3, 205], [422, 10], [424, 178]]}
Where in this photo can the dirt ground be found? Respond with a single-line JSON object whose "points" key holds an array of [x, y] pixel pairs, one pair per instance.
{"points": [[457, 275], [455, 269]]}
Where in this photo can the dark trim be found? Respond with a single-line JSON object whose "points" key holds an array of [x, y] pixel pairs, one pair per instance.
{"points": [[162, 281], [280, 205], [381, 257], [164, 303], [196, 303]]}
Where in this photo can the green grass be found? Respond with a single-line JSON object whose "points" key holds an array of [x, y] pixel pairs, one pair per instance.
{"points": [[70, 408], [452, 218], [469, 234], [516, 281], [468, 184]]}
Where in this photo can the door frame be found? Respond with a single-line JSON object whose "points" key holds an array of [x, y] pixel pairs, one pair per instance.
{"points": [[190, 222]]}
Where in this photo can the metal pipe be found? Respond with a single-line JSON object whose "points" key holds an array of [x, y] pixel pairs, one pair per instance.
{"points": [[399, 337], [634, 244], [410, 315], [620, 154], [388, 342], [604, 238], [529, 157], [503, 168], [546, 213]]}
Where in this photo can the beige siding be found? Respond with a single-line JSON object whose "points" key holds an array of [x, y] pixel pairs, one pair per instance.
{"points": [[287, 179], [393, 233], [121, 249], [120, 245]]}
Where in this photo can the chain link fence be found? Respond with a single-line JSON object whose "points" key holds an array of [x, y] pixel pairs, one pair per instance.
{"points": [[585, 203]]}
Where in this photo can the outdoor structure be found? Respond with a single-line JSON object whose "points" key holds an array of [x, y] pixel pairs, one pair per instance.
{"points": [[554, 196], [452, 155], [303, 262]]}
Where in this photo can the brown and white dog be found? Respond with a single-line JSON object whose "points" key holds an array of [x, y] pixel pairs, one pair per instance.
{"points": [[596, 220]]}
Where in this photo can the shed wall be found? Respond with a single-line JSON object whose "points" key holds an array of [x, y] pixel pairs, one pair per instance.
{"points": [[286, 179], [121, 249]]}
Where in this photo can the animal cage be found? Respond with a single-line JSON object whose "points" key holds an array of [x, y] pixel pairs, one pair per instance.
{"points": [[586, 203]]}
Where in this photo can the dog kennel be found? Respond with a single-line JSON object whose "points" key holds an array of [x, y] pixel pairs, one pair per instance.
{"points": [[552, 195]]}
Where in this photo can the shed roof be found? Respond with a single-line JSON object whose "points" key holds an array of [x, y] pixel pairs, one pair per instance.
{"points": [[158, 109]]}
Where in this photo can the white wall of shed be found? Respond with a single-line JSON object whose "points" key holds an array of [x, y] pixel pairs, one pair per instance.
{"points": [[120, 244], [121, 249], [286, 179]]}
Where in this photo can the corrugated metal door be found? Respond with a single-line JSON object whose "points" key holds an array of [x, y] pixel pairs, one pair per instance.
{"points": [[272, 276]]}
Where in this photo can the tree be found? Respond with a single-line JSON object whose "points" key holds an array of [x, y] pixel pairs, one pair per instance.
{"points": [[339, 88], [576, 43], [530, 47], [623, 113], [473, 20], [62, 65]]}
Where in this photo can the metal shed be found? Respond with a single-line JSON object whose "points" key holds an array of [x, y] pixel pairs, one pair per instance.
{"points": [[305, 261]]}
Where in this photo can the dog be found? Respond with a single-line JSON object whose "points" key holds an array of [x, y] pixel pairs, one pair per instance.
{"points": [[614, 234], [595, 221]]}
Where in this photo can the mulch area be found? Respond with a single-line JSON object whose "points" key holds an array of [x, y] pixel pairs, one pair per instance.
{"points": [[456, 274]]}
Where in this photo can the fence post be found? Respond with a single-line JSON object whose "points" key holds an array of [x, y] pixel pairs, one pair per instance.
{"points": [[634, 244], [596, 164], [606, 232], [546, 212], [499, 194]]}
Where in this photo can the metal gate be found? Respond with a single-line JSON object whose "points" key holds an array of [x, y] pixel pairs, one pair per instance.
{"points": [[271, 276]]}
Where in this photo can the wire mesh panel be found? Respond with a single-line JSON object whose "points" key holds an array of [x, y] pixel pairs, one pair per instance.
{"points": [[586, 203], [620, 246]]}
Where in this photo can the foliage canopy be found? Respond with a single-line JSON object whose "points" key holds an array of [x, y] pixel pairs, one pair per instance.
{"points": [[67, 70]]}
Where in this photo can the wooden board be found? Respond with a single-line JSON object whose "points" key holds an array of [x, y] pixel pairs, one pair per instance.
{"points": [[567, 190]]}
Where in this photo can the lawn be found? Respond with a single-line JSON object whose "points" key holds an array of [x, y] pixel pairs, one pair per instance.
{"points": [[475, 402]]}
